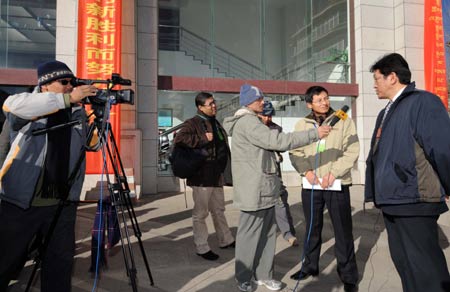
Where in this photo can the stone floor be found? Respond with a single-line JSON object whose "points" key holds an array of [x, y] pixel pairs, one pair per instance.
{"points": [[166, 225]]}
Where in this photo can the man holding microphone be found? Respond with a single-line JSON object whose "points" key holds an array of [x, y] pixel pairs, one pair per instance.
{"points": [[326, 166]]}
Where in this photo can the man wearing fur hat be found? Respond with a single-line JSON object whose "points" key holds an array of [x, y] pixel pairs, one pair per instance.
{"points": [[256, 186], [35, 174]]}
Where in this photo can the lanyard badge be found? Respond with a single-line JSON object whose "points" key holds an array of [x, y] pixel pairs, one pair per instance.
{"points": [[321, 145]]}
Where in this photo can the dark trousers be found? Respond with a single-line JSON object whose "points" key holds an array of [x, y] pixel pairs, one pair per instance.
{"points": [[18, 227], [415, 251], [339, 209]]}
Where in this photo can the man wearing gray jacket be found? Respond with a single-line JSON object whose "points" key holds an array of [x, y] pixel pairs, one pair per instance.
{"points": [[256, 186], [35, 175]]}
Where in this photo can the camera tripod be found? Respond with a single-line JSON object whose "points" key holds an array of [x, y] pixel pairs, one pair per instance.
{"points": [[120, 199]]}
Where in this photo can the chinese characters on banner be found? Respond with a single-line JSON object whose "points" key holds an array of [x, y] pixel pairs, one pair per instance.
{"points": [[99, 52], [434, 51]]}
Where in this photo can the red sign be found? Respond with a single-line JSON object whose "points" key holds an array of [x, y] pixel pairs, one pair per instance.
{"points": [[434, 51], [99, 52]]}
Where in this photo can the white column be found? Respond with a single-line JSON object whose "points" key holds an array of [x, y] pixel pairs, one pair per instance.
{"points": [[382, 27], [147, 90], [66, 32]]}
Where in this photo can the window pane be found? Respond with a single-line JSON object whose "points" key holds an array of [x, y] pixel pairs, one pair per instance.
{"points": [[27, 33], [301, 40], [185, 38]]}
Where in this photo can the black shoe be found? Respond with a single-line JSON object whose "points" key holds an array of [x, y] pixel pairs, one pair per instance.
{"points": [[300, 275], [210, 256], [350, 287], [231, 245]]}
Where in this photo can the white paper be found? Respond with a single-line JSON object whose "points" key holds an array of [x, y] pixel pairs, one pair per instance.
{"points": [[336, 186]]}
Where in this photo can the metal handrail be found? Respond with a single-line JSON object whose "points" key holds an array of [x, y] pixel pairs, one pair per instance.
{"points": [[288, 70], [230, 64], [171, 130], [197, 46]]}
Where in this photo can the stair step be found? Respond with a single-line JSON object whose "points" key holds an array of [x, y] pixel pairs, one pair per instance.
{"points": [[94, 188]]}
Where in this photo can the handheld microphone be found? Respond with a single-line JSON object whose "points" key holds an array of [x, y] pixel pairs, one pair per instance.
{"points": [[339, 115]]}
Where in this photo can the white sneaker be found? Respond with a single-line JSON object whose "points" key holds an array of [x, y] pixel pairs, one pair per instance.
{"points": [[273, 285], [246, 286]]}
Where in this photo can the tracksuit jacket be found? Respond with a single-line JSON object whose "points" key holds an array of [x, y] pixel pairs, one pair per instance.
{"points": [[24, 163]]}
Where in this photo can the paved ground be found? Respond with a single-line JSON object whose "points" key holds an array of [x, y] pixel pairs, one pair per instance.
{"points": [[166, 228]]}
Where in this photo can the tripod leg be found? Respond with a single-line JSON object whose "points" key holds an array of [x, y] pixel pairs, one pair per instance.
{"points": [[124, 191], [117, 206], [131, 271], [43, 247], [146, 262], [138, 234], [33, 274]]}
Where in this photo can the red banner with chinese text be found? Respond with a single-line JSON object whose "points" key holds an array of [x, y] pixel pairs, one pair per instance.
{"points": [[99, 55], [434, 51]]}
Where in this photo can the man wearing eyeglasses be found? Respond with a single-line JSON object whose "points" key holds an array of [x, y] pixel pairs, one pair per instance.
{"points": [[36, 171], [203, 131], [408, 174], [322, 164]]}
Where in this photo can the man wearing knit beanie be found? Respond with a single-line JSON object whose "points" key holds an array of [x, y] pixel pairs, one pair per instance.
{"points": [[35, 175], [53, 70], [249, 94], [257, 185], [283, 216]]}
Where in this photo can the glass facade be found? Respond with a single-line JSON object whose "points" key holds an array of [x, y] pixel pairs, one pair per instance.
{"points": [[27, 32], [177, 107], [303, 40]]}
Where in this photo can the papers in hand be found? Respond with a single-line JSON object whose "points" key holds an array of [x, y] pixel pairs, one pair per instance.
{"points": [[336, 186]]}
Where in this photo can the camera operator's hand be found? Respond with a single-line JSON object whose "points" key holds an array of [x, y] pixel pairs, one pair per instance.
{"points": [[80, 92]]}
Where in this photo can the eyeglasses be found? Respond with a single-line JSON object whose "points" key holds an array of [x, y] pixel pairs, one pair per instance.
{"points": [[210, 104], [324, 100], [64, 81]]}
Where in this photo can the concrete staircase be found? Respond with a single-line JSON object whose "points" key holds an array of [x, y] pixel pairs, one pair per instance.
{"points": [[178, 63]]}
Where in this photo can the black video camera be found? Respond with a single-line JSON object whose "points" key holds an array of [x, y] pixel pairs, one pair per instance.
{"points": [[102, 101], [109, 94]]}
